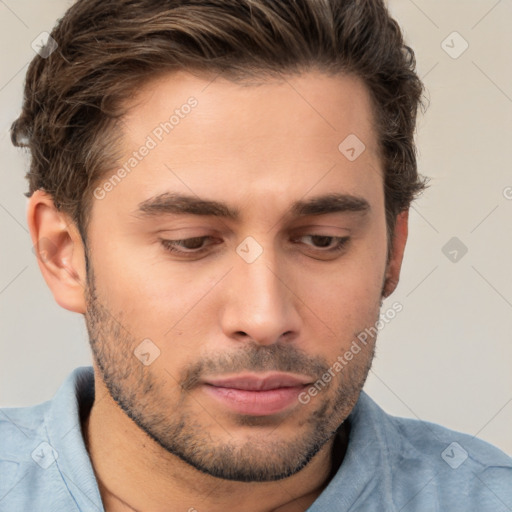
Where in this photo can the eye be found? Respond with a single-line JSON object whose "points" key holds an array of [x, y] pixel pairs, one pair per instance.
{"points": [[324, 243], [195, 245], [189, 247]]}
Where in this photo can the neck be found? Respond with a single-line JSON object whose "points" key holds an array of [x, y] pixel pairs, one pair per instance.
{"points": [[135, 474]]}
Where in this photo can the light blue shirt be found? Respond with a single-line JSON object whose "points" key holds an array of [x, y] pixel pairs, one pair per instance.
{"points": [[391, 464]]}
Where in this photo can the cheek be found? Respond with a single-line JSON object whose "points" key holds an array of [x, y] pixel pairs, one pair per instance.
{"points": [[164, 303], [141, 281], [357, 287], [347, 298], [347, 304]]}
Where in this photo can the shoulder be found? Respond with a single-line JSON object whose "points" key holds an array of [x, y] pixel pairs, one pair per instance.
{"points": [[24, 452], [451, 446], [19, 428], [430, 464], [430, 439], [461, 468], [39, 447]]}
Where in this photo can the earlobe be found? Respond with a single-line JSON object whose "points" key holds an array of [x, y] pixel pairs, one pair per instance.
{"points": [[394, 265], [59, 250]]}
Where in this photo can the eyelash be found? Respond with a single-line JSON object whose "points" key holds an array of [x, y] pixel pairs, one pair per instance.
{"points": [[170, 245]]}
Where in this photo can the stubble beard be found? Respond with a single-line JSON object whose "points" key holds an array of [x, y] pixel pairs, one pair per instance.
{"points": [[268, 454]]}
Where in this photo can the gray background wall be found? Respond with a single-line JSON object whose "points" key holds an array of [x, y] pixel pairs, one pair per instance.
{"points": [[447, 356]]}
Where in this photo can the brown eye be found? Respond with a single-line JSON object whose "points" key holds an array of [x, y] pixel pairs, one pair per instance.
{"points": [[321, 241], [195, 245], [324, 243]]}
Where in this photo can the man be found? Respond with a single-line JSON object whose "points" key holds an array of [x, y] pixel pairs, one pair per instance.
{"points": [[222, 189]]}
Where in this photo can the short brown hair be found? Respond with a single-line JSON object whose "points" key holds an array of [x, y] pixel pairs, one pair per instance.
{"points": [[108, 48]]}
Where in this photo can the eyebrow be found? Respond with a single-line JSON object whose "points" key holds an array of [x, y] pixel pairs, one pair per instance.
{"points": [[180, 204]]}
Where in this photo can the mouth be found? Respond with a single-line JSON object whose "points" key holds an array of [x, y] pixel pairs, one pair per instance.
{"points": [[257, 394]]}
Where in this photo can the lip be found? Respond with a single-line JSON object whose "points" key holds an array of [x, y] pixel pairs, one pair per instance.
{"points": [[260, 382], [257, 394]]}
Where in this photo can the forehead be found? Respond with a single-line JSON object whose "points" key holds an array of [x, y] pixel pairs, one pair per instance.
{"points": [[312, 105], [217, 139]]}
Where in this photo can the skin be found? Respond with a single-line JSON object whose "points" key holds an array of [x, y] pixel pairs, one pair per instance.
{"points": [[295, 308]]}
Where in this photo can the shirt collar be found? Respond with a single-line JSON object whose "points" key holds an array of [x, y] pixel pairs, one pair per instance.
{"points": [[74, 399], [358, 472]]}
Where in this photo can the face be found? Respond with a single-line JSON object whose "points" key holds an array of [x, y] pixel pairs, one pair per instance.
{"points": [[234, 262]]}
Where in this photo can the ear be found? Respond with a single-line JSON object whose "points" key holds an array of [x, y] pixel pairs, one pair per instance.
{"points": [[398, 241], [59, 250]]}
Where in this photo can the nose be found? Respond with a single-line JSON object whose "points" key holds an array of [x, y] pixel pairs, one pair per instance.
{"points": [[259, 303]]}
